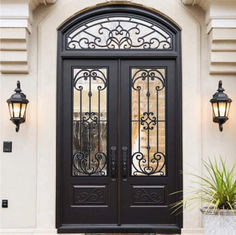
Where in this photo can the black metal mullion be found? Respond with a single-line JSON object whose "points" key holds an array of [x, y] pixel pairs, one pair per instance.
{"points": [[139, 133], [89, 125], [148, 113], [157, 117], [99, 120], [80, 119]]}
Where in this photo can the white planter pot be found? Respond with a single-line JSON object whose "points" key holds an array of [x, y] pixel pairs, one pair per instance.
{"points": [[221, 222]]}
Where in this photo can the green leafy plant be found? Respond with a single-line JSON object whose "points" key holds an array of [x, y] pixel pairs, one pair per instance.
{"points": [[217, 188]]}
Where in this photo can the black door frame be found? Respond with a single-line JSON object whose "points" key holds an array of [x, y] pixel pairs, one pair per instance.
{"points": [[63, 54]]}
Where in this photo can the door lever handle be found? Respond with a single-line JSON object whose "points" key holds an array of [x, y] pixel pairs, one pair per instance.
{"points": [[113, 162], [124, 161]]}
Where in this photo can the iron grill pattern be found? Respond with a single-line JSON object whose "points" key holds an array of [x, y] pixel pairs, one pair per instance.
{"points": [[90, 122], [119, 32], [147, 157]]}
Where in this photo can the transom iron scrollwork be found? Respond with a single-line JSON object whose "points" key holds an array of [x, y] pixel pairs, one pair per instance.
{"points": [[148, 97], [119, 32], [90, 124]]}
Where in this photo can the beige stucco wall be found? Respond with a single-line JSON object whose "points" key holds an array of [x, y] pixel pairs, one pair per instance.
{"points": [[28, 176]]}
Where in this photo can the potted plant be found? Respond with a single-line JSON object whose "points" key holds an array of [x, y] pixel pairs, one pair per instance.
{"points": [[217, 194]]}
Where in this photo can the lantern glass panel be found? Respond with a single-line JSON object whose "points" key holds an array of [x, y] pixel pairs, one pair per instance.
{"points": [[215, 109], [23, 109], [10, 109], [16, 110], [227, 109], [222, 108]]}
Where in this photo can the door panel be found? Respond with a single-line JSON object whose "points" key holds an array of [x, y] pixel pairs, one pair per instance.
{"points": [[148, 141], [90, 124]]}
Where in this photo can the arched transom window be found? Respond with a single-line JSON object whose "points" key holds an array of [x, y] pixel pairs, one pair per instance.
{"points": [[119, 32]]}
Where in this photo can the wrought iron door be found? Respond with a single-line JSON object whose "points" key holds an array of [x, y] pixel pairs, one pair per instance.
{"points": [[148, 150], [119, 163], [89, 100], [119, 137]]}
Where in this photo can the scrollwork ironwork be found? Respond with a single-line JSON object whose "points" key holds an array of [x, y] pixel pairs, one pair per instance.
{"points": [[88, 157], [119, 32], [147, 195], [87, 195], [87, 166], [149, 164], [148, 121]]}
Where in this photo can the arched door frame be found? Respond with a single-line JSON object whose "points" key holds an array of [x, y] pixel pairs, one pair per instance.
{"points": [[173, 54]]}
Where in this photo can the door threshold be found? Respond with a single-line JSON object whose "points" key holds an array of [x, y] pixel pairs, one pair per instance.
{"points": [[125, 228]]}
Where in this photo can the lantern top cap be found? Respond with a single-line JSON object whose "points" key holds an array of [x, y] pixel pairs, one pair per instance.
{"points": [[220, 96], [18, 96]]}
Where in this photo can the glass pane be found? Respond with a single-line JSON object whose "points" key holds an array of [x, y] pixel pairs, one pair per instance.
{"points": [[148, 122], [119, 33], [90, 122], [227, 110], [222, 108], [16, 109], [10, 110], [23, 109], [215, 110]]}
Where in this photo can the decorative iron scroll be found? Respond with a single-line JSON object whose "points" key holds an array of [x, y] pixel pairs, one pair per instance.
{"points": [[119, 32], [148, 129], [84, 195], [143, 195], [90, 124]]}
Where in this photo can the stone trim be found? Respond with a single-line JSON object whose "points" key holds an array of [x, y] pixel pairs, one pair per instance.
{"points": [[14, 50], [15, 26], [221, 30], [35, 3], [222, 50]]}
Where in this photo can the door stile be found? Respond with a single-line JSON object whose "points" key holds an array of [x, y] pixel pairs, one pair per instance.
{"points": [[119, 141]]}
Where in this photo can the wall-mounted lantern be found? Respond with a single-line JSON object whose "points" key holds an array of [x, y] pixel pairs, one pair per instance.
{"points": [[17, 106], [220, 106]]}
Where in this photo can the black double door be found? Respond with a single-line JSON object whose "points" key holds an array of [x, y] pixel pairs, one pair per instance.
{"points": [[119, 160]]}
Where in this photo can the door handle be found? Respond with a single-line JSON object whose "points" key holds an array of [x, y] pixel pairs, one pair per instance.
{"points": [[124, 161], [113, 162]]}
